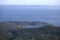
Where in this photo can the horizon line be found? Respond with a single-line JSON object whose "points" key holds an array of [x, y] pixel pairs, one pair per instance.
{"points": [[29, 5]]}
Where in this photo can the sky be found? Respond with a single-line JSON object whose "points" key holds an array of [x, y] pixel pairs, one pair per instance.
{"points": [[29, 2]]}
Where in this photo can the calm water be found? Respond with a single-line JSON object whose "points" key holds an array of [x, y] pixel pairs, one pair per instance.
{"points": [[30, 14]]}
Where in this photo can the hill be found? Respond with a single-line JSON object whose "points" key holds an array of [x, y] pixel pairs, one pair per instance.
{"points": [[11, 32]]}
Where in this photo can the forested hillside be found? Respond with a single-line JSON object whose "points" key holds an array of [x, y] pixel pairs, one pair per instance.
{"points": [[13, 32]]}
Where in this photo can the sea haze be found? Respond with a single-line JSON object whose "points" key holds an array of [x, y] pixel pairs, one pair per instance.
{"points": [[50, 14]]}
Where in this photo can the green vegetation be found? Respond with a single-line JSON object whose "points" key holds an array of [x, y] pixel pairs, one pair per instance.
{"points": [[8, 31]]}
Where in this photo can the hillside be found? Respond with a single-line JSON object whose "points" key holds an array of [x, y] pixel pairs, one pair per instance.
{"points": [[10, 31]]}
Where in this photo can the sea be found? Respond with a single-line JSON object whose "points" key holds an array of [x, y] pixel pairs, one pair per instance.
{"points": [[30, 13]]}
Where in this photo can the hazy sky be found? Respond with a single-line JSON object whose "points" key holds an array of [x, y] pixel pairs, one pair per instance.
{"points": [[30, 2]]}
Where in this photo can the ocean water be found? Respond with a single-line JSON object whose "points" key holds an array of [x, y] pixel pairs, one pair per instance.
{"points": [[30, 14]]}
